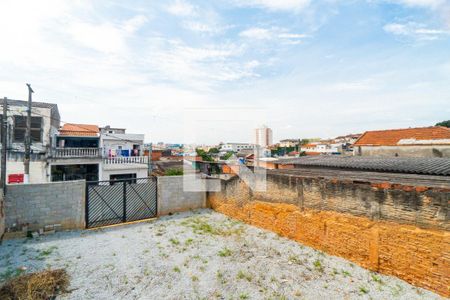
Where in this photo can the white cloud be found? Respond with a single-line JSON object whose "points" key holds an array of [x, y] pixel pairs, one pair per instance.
{"points": [[274, 33], [421, 3], [441, 8], [256, 33], [181, 8], [276, 5], [208, 28], [198, 67], [415, 30], [105, 38], [135, 23]]}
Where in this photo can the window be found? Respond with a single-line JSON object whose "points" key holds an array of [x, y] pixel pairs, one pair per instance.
{"points": [[20, 128]]}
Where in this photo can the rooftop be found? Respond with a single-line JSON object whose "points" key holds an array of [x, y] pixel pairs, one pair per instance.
{"points": [[408, 136], [410, 165], [33, 104], [71, 129]]}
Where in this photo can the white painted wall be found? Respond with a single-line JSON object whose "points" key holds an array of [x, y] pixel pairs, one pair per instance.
{"points": [[38, 170], [139, 170]]}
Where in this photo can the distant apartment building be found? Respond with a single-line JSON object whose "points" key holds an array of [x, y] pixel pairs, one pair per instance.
{"points": [[263, 136], [289, 143], [408, 142], [347, 139], [321, 148], [236, 147]]}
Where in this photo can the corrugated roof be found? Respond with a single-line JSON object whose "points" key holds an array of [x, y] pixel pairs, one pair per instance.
{"points": [[71, 129], [408, 136], [410, 165]]}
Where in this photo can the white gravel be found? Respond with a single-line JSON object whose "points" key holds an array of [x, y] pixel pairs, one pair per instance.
{"points": [[197, 255]]}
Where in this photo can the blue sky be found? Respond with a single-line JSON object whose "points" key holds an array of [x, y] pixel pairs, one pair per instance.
{"points": [[306, 68]]}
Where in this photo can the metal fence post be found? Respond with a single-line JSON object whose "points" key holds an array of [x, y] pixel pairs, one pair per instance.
{"points": [[124, 217], [86, 208]]}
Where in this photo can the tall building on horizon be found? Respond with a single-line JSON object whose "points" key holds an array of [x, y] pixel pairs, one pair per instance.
{"points": [[263, 136]]}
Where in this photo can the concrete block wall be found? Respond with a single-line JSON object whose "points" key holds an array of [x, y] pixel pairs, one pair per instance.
{"points": [[172, 197], [37, 205]]}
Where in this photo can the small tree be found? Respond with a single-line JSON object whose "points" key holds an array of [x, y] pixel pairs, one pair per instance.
{"points": [[444, 123], [213, 150], [203, 155], [227, 155]]}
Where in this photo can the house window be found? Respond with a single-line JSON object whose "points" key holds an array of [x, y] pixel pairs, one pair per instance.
{"points": [[20, 128]]}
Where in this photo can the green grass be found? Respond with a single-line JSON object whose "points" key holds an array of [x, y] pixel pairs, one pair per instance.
{"points": [[243, 296], [294, 259], [363, 290], [318, 265], [174, 241], [201, 226], [244, 275], [225, 252], [377, 278], [176, 269]]}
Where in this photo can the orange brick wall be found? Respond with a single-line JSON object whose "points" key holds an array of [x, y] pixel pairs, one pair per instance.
{"points": [[420, 256]]}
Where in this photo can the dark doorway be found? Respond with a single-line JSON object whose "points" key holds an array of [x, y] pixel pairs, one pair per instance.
{"points": [[89, 172], [131, 178]]}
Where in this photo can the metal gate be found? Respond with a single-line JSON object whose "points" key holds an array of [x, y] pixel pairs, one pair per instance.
{"points": [[119, 201]]}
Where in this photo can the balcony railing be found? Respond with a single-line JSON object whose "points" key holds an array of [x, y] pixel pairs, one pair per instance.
{"points": [[75, 152], [126, 160]]}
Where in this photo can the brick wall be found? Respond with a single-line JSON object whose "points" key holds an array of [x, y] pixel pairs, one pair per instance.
{"points": [[45, 204], [392, 229], [172, 198]]}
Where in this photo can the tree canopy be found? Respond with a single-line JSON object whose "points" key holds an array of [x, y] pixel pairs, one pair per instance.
{"points": [[444, 123]]}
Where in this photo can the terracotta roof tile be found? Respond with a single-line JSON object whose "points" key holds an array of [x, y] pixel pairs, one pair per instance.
{"points": [[408, 136], [70, 129]]}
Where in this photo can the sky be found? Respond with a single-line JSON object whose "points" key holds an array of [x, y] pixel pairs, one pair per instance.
{"points": [[211, 71]]}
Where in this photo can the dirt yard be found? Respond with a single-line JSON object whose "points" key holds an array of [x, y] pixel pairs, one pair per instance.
{"points": [[196, 255]]}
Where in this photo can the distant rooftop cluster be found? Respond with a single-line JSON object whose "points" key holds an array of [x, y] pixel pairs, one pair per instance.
{"points": [[411, 165]]}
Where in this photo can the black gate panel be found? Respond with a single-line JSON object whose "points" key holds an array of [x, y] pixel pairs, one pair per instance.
{"points": [[119, 201]]}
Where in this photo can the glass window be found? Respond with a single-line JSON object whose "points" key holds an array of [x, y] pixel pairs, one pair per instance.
{"points": [[20, 128]]}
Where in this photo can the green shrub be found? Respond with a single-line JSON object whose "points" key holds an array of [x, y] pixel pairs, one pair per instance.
{"points": [[174, 172]]}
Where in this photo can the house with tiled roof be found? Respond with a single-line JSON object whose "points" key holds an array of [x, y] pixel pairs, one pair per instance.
{"points": [[408, 142], [87, 151]]}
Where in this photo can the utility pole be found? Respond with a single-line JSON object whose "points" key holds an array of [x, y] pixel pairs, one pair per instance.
{"points": [[26, 161], [4, 142], [149, 160]]}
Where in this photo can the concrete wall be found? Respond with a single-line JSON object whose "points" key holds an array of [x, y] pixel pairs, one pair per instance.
{"points": [[45, 204], [392, 229], [172, 198], [38, 170], [404, 151], [141, 171]]}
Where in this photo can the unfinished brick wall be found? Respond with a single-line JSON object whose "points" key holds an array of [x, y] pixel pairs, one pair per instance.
{"points": [[393, 230]]}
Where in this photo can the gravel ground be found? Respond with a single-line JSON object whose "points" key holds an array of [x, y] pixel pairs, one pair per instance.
{"points": [[197, 255]]}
